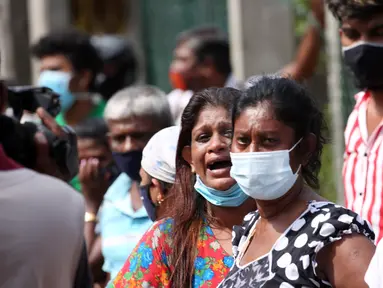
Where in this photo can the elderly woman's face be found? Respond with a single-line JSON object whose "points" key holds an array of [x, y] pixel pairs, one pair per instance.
{"points": [[209, 153], [258, 130]]}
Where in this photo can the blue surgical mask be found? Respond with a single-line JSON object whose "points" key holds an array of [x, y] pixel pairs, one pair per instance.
{"points": [[232, 197], [58, 81], [264, 175]]}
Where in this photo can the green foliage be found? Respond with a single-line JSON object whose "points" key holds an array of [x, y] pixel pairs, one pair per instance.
{"points": [[301, 9], [326, 175]]}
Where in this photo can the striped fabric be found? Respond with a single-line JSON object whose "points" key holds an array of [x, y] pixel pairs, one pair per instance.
{"points": [[363, 166]]}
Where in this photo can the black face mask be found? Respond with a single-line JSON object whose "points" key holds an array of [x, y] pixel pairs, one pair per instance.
{"points": [[129, 163], [365, 61], [147, 202]]}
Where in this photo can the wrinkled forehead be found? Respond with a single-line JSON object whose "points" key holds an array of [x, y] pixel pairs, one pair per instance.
{"points": [[261, 120], [212, 116], [262, 109], [133, 125]]}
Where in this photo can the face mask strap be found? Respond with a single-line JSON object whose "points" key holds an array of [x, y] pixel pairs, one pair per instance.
{"points": [[299, 169], [296, 144], [300, 165]]}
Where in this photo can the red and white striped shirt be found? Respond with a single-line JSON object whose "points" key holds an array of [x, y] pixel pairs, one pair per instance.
{"points": [[363, 166]]}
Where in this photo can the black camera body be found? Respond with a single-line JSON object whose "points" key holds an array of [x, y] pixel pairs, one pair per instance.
{"points": [[30, 98], [18, 139]]}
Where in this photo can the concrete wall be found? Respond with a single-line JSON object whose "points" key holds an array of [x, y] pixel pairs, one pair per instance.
{"points": [[261, 34], [22, 22], [262, 40], [45, 16], [134, 33], [14, 41]]}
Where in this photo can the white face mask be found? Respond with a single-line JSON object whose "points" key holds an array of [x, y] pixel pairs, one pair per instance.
{"points": [[264, 175]]}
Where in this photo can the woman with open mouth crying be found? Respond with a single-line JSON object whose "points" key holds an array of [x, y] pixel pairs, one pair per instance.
{"points": [[192, 246]]}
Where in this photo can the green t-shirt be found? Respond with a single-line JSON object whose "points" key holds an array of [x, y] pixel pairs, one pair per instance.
{"points": [[97, 112]]}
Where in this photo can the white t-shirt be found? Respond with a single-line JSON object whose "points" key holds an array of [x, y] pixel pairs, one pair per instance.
{"points": [[41, 230], [374, 277]]}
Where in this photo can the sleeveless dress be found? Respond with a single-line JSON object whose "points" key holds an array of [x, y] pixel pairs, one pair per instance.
{"points": [[292, 260]]}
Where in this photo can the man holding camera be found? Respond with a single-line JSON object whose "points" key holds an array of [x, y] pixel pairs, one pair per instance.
{"points": [[41, 218]]}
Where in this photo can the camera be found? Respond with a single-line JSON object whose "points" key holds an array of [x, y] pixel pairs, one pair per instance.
{"points": [[18, 139]]}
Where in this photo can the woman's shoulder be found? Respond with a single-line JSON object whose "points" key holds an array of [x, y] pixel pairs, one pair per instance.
{"points": [[160, 229], [157, 240], [335, 212], [332, 221], [149, 259], [164, 225]]}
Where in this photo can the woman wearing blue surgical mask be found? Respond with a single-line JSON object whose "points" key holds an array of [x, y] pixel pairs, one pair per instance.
{"points": [[192, 248], [296, 238]]}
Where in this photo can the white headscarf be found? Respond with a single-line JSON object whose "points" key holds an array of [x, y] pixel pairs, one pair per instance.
{"points": [[159, 155]]}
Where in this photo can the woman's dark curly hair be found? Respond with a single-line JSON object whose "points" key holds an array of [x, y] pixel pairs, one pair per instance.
{"points": [[293, 106], [360, 9]]}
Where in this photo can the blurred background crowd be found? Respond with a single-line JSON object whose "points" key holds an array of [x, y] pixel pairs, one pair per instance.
{"points": [[126, 69], [145, 34]]}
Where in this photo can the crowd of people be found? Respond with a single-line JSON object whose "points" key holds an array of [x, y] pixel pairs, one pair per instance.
{"points": [[213, 185]]}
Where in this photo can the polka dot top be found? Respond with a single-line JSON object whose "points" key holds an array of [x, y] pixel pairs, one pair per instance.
{"points": [[291, 262]]}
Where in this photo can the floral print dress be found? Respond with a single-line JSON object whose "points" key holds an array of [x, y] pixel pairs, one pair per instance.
{"points": [[148, 265]]}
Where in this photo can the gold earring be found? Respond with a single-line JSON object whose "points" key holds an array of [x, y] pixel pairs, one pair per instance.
{"points": [[192, 169], [159, 200]]}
